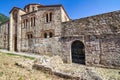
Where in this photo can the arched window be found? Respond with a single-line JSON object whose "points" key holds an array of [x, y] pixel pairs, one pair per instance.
{"points": [[45, 35], [15, 17], [50, 16], [50, 34], [28, 9], [46, 17], [26, 22], [28, 36], [31, 36], [34, 21], [30, 39], [31, 21], [33, 8]]}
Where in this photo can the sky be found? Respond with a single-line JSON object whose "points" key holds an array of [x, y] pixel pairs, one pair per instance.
{"points": [[75, 8]]}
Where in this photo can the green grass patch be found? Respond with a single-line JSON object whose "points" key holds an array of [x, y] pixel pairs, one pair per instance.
{"points": [[32, 58], [1, 74], [12, 54]]}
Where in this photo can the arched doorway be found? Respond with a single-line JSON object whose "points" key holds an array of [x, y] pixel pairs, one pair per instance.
{"points": [[78, 52]]}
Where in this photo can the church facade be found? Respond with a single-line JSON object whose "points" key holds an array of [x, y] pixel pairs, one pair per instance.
{"points": [[48, 30]]}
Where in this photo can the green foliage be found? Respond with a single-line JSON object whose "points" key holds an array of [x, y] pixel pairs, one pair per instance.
{"points": [[3, 18], [21, 78], [12, 54], [1, 73]]}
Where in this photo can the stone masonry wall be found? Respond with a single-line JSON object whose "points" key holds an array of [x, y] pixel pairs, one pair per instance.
{"points": [[4, 35], [100, 35], [41, 45]]}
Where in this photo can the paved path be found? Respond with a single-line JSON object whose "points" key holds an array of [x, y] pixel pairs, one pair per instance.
{"points": [[21, 53]]}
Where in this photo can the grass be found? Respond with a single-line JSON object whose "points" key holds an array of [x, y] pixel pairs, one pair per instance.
{"points": [[108, 74], [12, 54], [32, 58], [1, 73], [9, 71]]}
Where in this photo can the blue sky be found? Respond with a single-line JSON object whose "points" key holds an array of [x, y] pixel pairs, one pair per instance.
{"points": [[75, 8]]}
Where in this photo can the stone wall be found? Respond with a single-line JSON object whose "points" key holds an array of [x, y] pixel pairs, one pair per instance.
{"points": [[42, 45], [100, 35], [100, 24], [4, 35]]}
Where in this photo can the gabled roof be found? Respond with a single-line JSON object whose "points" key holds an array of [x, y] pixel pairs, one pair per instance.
{"points": [[16, 8]]}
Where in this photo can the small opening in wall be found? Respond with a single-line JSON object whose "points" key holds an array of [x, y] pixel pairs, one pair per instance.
{"points": [[34, 21], [46, 17], [31, 36], [33, 8], [50, 16], [26, 22], [31, 21], [28, 9], [45, 35], [28, 36], [51, 34]]}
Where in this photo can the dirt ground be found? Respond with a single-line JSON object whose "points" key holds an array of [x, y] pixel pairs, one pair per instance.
{"points": [[9, 71]]}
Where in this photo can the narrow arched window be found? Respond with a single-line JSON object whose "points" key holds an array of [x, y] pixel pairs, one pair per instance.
{"points": [[50, 34], [46, 17], [31, 21], [28, 36], [31, 36], [50, 16], [34, 21], [45, 35], [26, 22], [33, 8]]}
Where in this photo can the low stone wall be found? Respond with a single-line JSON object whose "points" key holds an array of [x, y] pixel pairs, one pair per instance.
{"points": [[87, 75], [51, 72]]}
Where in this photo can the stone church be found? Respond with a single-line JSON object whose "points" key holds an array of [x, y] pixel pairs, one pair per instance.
{"points": [[48, 30]]}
